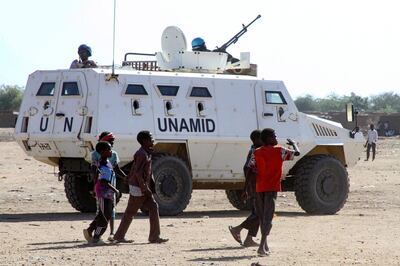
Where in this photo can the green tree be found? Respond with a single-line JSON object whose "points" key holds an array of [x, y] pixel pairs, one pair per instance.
{"points": [[10, 97], [388, 102], [360, 103], [306, 103], [331, 103]]}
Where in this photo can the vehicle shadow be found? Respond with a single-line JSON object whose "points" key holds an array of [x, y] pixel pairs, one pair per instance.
{"points": [[222, 258], [63, 245], [214, 249], [76, 216], [230, 213]]}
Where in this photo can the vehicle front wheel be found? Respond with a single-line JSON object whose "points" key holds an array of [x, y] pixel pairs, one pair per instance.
{"points": [[321, 185]]}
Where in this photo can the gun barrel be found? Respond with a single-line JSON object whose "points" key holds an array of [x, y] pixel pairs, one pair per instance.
{"points": [[236, 37]]}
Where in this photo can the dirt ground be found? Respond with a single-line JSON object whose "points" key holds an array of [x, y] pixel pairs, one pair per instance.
{"points": [[39, 227]]}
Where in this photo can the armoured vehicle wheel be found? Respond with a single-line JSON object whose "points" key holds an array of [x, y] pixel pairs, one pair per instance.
{"points": [[322, 184], [173, 184], [77, 192], [235, 198]]}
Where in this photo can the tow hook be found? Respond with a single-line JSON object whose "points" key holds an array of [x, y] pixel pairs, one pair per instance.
{"points": [[60, 176]]}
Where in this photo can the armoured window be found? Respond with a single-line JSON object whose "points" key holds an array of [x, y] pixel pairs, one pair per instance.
{"points": [[136, 89], [46, 89], [70, 89], [274, 97], [167, 90], [200, 92]]}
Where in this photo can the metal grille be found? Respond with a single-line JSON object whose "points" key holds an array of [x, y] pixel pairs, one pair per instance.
{"points": [[323, 131], [142, 65]]}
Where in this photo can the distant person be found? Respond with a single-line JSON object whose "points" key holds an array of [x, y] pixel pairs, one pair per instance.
{"points": [[372, 138], [141, 191], [84, 53], [114, 160], [252, 222], [269, 159], [356, 133], [104, 193]]}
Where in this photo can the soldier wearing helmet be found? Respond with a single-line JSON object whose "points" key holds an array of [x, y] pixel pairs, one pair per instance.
{"points": [[198, 44], [84, 53]]}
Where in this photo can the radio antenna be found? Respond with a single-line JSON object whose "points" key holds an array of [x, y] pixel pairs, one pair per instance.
{"points": [[115, 3]]}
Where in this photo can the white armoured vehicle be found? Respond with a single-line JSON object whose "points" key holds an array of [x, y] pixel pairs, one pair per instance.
{"points": [[201, 110]]}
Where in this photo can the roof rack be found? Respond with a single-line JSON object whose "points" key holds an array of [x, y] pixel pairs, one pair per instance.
{"points": [[145, 65]]}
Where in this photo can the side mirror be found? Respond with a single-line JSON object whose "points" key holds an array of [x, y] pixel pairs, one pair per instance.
{"points": [[349, 112]]}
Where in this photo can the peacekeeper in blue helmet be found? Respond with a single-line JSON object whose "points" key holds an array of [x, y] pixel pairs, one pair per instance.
{"points": [[84, 53], [198, 44]]}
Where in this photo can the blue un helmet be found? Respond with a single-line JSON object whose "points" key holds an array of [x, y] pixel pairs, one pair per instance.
{"points": [[86, 48], [198, 43]]}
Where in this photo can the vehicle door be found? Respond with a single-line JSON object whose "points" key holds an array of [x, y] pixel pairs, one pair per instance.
{"points": [[39, 112], [276, 109], [70, 112]]}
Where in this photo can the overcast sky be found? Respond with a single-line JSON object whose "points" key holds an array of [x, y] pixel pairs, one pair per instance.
{"points": [[315, 47]]}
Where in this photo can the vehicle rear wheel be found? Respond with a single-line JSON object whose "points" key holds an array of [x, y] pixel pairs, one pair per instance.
{"points": [[77, 190], [321, 184], [173, 184], [235, 198]]}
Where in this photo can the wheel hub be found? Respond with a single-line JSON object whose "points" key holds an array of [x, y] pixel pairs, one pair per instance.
{"points": [[327, 186], [168, 185]]}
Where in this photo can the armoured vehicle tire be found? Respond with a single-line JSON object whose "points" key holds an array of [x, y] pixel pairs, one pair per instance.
{"points": [[321, 184], [235, 198], [77, 191], [173, 184]]}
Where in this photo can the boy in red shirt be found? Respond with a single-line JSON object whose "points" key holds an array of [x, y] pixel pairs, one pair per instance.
{"points": [[252, 222], [269, 159]]}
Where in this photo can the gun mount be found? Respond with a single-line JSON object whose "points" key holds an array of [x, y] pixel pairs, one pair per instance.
{"points": [[175, 56]]}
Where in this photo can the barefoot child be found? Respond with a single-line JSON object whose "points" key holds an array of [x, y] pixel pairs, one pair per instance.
{"points": [[104, 194], [140, 195], [114, 160], [269, 159], [252, 222]]}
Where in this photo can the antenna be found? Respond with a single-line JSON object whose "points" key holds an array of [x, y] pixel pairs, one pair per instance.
{"points": [[115, 4], [113, 76]]}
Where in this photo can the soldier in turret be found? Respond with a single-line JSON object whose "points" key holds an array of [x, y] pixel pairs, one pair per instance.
{"points": [[84, 52], [199, 45]]}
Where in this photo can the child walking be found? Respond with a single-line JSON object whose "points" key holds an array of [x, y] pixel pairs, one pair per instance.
{"points": [[140, 193], [269, 160], [252, 222], [114, 160], [105, 192]]}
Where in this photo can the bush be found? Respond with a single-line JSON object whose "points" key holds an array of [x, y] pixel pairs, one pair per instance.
{"points": [[10, 97], [388, 102]]}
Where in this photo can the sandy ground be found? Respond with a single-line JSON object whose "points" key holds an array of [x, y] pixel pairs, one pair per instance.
{"points": [[38, 226]]}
